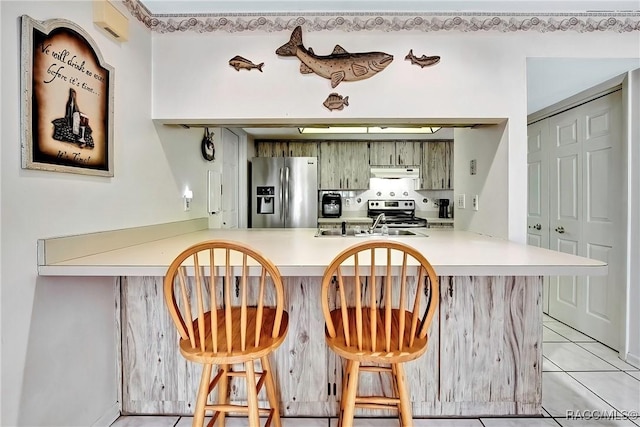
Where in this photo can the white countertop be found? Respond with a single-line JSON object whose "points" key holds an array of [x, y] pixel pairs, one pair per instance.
{"points": [[297, 252]]}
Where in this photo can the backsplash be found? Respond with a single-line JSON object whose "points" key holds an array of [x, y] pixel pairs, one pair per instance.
{"points": [[354, 203]]}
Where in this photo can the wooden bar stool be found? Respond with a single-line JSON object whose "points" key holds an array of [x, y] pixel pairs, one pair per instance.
{"points": [[379, 318], [211, 277]]}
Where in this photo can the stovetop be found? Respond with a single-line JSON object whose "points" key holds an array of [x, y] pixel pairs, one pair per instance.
{"points": [[398, 213]]}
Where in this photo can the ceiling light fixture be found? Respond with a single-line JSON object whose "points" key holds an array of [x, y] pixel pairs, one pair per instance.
{"points": [[373, 129], [332, 129]]}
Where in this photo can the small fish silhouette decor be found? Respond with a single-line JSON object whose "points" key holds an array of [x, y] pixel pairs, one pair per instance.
{"points": [[336, 102], [340, 66], [238, 62], [423, 61]]}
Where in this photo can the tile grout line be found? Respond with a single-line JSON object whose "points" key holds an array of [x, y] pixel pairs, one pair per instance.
{"points": [[583, 385]]}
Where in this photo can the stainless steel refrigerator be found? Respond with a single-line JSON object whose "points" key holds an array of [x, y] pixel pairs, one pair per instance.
{"points": [[284, 192]]}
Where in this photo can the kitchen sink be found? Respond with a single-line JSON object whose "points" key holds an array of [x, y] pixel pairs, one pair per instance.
{"points": [[351, 233]]}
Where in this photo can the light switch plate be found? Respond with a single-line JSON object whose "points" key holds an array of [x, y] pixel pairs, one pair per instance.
{"points": [[474, 202], [460, 201]]}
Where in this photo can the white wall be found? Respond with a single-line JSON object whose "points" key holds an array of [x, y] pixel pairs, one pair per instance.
{"points": [[58, 363], [633, 248], [488, 146]]}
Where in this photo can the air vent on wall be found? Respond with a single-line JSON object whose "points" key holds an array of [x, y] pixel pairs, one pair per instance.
{"points": [[110, 19]]}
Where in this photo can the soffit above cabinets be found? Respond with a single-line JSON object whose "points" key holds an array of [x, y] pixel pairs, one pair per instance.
{"points": [[282, 129]]}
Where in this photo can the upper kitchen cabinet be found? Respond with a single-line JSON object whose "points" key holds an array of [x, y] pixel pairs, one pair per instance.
{"points": [[272, 148], [344, 165], [286, 149], [395, 153], [437, 165], [303, 149]]}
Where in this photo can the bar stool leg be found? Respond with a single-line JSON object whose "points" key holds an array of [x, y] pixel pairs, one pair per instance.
{"points": [[203, 393], [343, 393], [223, 392], [252, 394], [272, 394], [352, 389], [405, 403]]}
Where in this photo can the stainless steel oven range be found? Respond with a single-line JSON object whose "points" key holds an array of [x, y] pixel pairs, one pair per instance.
{"points": [[397, 213]]}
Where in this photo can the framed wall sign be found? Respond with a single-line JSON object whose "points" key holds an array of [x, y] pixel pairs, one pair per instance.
{"points": [[67, 105]]}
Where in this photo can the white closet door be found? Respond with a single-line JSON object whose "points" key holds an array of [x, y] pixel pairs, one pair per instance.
{"points": [[538, 200], [585, 203], [565, 189], [603, 206]]}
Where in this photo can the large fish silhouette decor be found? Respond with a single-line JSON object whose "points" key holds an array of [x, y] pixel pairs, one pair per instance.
{"points": [[340, 66]]}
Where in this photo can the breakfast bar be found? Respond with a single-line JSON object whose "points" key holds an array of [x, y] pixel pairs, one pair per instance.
{"points": [[485, 350]]}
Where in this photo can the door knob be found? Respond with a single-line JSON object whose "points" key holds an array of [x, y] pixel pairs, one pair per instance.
{"points": [[537, 227], [560, 229]]}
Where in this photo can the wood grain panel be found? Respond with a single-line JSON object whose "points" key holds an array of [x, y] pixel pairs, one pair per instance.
{"points": [[303, 149], [484, 356], [495, 354]]}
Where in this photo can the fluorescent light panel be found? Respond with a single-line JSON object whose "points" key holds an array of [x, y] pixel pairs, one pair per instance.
{"points": [[362, 129]]}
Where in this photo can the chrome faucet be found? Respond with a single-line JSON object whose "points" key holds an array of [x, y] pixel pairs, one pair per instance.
{"points": [[379, 218]]}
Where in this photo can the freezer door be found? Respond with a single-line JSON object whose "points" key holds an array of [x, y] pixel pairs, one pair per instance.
{"points": [[267, 192], [301, 192]]}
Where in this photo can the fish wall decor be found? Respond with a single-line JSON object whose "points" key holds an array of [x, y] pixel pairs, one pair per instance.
{"points": [[423, 61], [238, 62], [336, 102], [339, 66]]}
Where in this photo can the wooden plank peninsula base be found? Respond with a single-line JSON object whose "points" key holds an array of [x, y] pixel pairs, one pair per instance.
{"points": [[484, 355], [485, 350]]}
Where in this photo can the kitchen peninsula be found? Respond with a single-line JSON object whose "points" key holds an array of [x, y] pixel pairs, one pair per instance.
{"points": [[485, 354]]}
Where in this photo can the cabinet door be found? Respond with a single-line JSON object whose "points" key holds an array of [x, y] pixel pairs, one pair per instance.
{"points": [[303, 149], [408, 153], [382, 153], [300, 364], [329, 165], [271, 148], [437, 165], [354, 160], [449, 159], [344, 165]]}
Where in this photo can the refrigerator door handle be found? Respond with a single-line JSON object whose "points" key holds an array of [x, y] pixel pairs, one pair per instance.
{"points": [[281, 195], [286, 193]]}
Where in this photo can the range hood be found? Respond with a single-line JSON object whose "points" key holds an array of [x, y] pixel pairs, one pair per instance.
{"points": [[396, 173]]}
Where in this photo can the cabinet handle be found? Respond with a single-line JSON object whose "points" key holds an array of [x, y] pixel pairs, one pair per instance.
{"points": [[560, 230], [399, 159], [390, 159], [442, 182]]}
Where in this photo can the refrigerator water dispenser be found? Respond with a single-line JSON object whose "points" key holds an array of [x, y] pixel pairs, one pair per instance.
{"points": [[265, 200]]}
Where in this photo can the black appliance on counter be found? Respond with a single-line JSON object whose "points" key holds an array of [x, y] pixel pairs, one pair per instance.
{"points": [[331, 205], [443, 212], [397, 213]]}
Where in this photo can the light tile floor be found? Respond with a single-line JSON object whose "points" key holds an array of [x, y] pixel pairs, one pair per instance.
{"points": [[579, 374]]}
